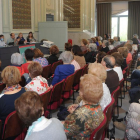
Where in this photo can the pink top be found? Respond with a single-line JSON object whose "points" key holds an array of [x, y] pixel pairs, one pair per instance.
{"points": [[76, 65], [129, 58]]}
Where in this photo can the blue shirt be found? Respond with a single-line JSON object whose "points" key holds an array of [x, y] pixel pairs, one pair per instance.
{"points": [[61, 72]]}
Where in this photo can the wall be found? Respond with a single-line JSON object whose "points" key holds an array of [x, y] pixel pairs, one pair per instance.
{"points": [[1, 17]]}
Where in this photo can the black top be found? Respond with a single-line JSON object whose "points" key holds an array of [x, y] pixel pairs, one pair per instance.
{"points": [[52, 58], [124, 65], [90, 57], [106, 49]]}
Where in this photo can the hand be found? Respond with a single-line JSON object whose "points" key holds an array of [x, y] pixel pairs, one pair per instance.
{"points": [[62, 122], [25, 41], [72, 108], [51, 86]]}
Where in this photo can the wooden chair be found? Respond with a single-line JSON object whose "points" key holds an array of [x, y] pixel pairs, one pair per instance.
{"points": [[45, 97], [85, 69], [13, 127], [68, 84], [56, 96], [23, 81], [54, 65], [46, 71], [99, 131], [2, 86], [0, 127]]}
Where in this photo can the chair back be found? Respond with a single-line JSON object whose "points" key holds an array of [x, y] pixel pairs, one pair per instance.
{"points": [[2, 86], [46, 71], [99, 131], [45, 97], [0, 127], [23, 81], [125, 74], [69, 83], [85, 69], [116, 93], [129, 67], [108, 111], [54, 65], [13, 126], [57, 90], [121, 83]]}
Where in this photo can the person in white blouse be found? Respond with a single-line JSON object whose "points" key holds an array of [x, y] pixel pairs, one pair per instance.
{"points": [[119, 60], [111, 46]]}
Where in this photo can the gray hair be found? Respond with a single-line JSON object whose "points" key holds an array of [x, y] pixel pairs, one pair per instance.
{"points": [[66, 57], [100, 38], [16, 59], [93, 47], [135, 36]]}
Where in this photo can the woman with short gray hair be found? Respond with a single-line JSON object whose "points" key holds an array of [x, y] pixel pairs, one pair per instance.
{"points": [[62, 71], [17, 61]]}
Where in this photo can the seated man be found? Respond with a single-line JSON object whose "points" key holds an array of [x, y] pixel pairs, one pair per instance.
{"points": [[11, 40], [112, 80], [2, 43]]}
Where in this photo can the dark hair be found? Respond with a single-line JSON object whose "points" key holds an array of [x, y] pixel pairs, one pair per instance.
{"points": [[30, 33], [100, 55], [29, 107], [119, 58], [1, 35], [29, 54], [68, 46], [54, 50], [111, 41], [37, 53], [108, 61], [77, 50], [106, 36]]}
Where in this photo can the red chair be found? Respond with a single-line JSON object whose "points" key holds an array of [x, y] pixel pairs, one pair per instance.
{"points": [[46, 71], [2, 86], [13, 127], [0, 127], [99, 131], [54, 65], [45, 97], [85, 69], [56, 96], [108, 112]]}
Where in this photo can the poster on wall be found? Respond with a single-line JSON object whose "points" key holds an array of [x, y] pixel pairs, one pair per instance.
{"points": [[23, 48]]}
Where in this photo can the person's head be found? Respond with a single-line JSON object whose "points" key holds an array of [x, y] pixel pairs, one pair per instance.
{"points": [[12, 35], [11, 76], [66, 57], [30, 34], [129, 47], [20, 35], [111, 41], [94, 40], [84, 42], [16, 59], [123, 51], [77, 50], [54, 50], [99, 56], [135, 36], [68, 47], [91, 89], [129, 42], [104, 44], [37, 53], [108, 62], [2, 37], [35, 69], [29, 54], [106, 36], [100, 38], [98, 70], [29, 107], [119, 58]]}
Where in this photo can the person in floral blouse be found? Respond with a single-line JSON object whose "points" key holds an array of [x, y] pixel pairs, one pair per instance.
{"points": [[38, 83], [84, 119]]}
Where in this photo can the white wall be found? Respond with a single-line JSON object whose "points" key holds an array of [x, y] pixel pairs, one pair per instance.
{"points": [[1, 32]]}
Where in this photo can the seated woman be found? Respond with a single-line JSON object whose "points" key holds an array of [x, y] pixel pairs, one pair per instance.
{"points": [[68, 47], [116, 41], [129, 56], [30, 110], [38, 83], [29, 54], [100, 40], [90, 113], [62, 71], [84, 45], [105, 47], [124, 52], [20, 39], [53, 52], [11, 77], [30, 38], [99, 56], [111, 46], [119, 60], [17, 61], [38, 57], [78, 55]]}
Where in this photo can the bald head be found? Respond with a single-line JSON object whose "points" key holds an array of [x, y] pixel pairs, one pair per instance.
{"points": [[109, 61]]}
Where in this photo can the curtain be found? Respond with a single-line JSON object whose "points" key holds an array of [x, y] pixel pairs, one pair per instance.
{"points": [[133, 18], [104, 11]]}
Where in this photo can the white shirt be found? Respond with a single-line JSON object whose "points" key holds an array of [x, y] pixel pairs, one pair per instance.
{"points": [[119, 72], [76, 65], [111, 47], [2, 43], [106, 98]]}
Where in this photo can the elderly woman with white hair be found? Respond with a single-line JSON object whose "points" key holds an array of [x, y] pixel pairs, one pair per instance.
{"points": [[17, 61], [62, 71]]}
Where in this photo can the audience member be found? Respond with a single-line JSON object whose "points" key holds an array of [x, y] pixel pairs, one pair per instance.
{"points": [[62, 71], [116, 41], [2, 43], [78, 56], [30, 110], [111, 46], [11, 40], [129, 56], [20, 39], [96, 41], [106, 37], [84, 45], [11, 77], [30, 38], [38, 83], [29, 54], [90, 113], [53, 52], [105, 47], [38, 57], [17, 61], [100, 40], [99, 56], [112, 80], [119, 60], [68, 47], [135, 39], [92, 46]]}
